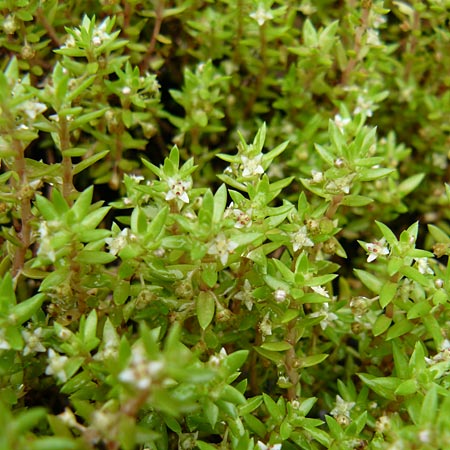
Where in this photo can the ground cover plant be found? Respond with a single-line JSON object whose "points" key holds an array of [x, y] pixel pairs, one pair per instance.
{"points": [[224, 225]]}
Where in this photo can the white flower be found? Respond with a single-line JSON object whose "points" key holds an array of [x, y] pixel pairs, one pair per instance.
{"points": [[116, 244], [280, 295], [321, 291], [324, 312], [246, 295], [178, 190], [265, 326], [4, 344], [372, 37], [56, 365], [216, 360], [341, 122], [33, 109], [423, 267], [10, 24], [300, 239], [136, 178], [141, 372], [342, 407], [317, 177], [363, 106], [32, 340], [261, 446], [126, 90], [251, 166], [377, 248], [222, 247], [443, 355], [261, 15]]}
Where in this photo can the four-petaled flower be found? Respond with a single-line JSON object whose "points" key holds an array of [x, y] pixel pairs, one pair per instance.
{"points": [[376, 249], [342, 407], [251, 166], [222, 247], [261, 15], [141, 371], [178, 190], [246, 295], [56, 365], [324, 312], [300, 239], [33, 341]]}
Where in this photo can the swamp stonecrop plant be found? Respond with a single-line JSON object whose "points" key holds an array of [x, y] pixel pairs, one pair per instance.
{"points": [[161, 288]]}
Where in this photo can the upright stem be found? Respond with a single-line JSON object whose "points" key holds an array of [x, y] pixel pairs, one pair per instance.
{"points": [[64, 137], [366, 5], [290, 361], [159, 15], [25, 208]]}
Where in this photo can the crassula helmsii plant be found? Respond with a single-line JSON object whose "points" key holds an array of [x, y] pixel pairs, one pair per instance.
{"points": [[224, 225]]}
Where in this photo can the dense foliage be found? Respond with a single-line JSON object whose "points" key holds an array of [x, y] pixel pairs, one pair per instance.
{"points": [[224, 225]]}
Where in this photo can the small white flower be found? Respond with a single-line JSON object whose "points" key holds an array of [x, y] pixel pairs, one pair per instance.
{"points": [[126, 90], [97, 41], [280, 295], [317, 177], [141, 372], [4, 344], [116, 244], [341, 122], [246, 295], [261, 15], [363, 106], [265, 325], [383, 424], [136, 178], [342, 407], [56, 365], [33, 341], [373, 37], [10, 24], [216, 360], [321, 291], [32, 109], [222, 247], [261, 446], [324, 312], [376, 249], [423, 267], [178, 190], [251, 166], [300, 239]]}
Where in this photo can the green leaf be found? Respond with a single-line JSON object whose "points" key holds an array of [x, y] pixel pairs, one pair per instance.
{"points": [[407, 387], [308, 361], [89, 161], [387, 233], [356, 200], [413, 274], [387, 293], [381, 325], [399, 328], [420, 309], [408, 185], [384, 386], [370, 281], [276, 346], [273, 408], [121, 292], [24, 310], [206, 306]]}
